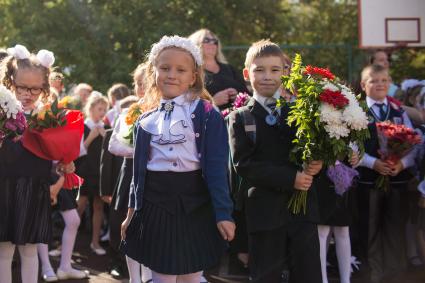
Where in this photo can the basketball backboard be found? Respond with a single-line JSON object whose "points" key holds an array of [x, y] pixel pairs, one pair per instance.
{"points": [[388, 23]]}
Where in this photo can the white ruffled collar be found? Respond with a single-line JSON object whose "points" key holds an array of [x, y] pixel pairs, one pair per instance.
{"points": [[172, 129]]}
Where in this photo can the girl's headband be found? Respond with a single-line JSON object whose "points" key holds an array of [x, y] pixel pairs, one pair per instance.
{"points": [[176, 41], [20, 52]]}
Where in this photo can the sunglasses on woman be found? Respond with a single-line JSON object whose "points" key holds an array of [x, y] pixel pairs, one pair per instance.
{"points": [[210, 40]]}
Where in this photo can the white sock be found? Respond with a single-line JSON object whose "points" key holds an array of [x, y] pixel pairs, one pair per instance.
{"points": [[43, 254], [72, 222], [134, 270], [7, 249], [343, 252], [323, 239], [146, 273], [29, 263]]}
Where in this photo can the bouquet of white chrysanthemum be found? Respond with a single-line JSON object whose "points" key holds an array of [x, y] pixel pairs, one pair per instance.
{"points": [[12, 118], [329, 118]]}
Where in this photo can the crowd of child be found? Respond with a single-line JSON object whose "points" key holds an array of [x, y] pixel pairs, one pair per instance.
{"points": [[175, 205]]}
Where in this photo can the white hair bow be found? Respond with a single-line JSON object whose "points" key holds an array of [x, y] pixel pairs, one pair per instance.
{"points": [[45, 57], [19, 52]]}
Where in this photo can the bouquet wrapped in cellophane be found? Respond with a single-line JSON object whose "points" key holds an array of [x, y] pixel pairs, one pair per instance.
{"points": [[55, 133], [395, 142]]}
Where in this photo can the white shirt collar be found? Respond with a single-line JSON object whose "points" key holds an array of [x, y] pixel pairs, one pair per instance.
{"points": [[262, 99], [91, 124], [370, 102]]}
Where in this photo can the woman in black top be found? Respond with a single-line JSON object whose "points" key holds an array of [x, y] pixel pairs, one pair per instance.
{"points": [[222, 81]]}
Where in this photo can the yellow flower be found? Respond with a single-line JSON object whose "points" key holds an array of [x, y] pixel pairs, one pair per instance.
{"points": [[133, 113], [41, 115]]}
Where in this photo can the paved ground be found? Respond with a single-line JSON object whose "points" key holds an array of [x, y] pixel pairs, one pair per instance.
{"points": [[227, 272]]}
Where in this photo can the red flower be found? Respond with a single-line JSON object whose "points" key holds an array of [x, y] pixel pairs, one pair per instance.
{"points": [[326, 73], [334, 98]]}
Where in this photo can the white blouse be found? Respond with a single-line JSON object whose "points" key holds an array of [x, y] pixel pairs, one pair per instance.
{"points": [[173, 142]]}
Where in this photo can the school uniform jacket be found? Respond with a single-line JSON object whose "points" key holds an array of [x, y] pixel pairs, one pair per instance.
{"points": [[268, 176], [213, 152]]}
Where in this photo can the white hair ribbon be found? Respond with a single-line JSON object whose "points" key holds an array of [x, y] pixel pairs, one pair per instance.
{"points": [[20, 52]]}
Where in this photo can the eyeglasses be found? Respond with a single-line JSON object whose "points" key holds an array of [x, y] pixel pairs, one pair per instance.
{"points": [[33, 90], [210, 40]]}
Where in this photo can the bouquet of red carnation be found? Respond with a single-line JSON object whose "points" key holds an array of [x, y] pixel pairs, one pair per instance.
{"points": [[55, 134], [12, 118], [395, 142]]}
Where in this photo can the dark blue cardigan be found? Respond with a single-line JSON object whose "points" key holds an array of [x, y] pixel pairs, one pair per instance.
{"points": [[213, 151]]}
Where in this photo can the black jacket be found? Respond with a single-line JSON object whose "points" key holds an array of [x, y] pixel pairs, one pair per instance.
{"points": [[267, 174]]}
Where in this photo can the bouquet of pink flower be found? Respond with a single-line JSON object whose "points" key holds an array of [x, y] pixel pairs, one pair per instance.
{"points": [[12, 118], [241, 100], [395, 142]]}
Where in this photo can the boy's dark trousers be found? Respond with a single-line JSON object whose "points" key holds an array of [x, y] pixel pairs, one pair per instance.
{"points": [[294, 246], [276, 239], [382, 225]]}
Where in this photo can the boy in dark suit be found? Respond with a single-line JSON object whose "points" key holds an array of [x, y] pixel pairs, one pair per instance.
{"points": [[381, 211], [276, 237]]}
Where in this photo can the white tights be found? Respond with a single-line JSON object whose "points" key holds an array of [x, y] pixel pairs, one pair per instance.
{"points": [[138, 272], [186, 278], [72, 221], [29, 262], [343, 251]]}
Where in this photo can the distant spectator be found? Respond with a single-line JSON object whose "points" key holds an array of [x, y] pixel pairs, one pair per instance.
{"points": [[115, 94], [222, 81], [82, 91], [383, 58], [56, 82]]}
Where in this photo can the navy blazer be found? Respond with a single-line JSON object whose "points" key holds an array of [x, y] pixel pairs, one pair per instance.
{"points": [[213, 151]]}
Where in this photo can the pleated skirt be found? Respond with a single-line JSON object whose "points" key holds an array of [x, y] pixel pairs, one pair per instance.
{"points": [[67, 199], [175, 241], [25, 210]]}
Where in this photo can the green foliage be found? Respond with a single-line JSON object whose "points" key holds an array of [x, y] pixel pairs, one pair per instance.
{"points": [[101, 41]]}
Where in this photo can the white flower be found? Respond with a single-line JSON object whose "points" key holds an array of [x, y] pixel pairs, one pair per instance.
{"points": [[348, 94], [329, 114], [337, 130], [19, 52], [355, 117], [330, 86], [46, 58], [9, 105]]}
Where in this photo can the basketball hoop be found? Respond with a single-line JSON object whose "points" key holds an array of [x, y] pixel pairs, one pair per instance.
{"points": [[391, 24]]}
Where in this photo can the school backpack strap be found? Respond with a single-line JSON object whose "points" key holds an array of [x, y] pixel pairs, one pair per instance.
{"points": [[249, 123]]}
